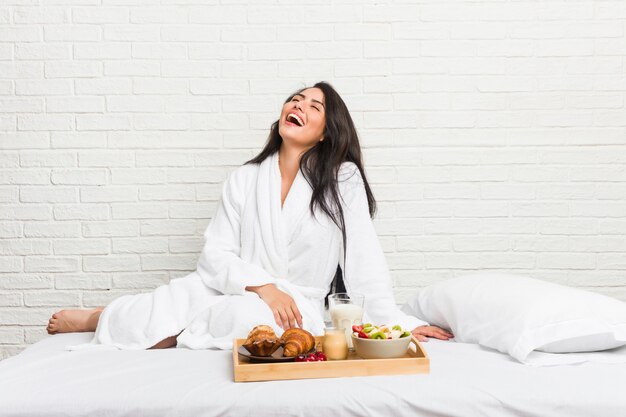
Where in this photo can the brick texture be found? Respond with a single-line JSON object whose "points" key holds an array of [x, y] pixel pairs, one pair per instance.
{"points": [[494, 136]]}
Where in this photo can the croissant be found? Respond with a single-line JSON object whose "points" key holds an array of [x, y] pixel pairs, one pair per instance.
{"points": [[296, 342], [262, 341]]}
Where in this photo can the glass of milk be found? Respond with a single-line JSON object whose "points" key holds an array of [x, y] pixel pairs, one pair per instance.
{"points": [[346, 311]]}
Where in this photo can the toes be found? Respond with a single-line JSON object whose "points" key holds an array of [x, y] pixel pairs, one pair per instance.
{"points": [[55, 316]]}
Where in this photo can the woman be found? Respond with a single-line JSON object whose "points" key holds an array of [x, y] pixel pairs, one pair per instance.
{"points": [[286, 219]]}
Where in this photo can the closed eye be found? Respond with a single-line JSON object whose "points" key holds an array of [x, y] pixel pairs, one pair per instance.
{"points": [[316, 108]]}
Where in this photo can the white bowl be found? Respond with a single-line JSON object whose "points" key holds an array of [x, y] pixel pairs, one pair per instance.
{"points": [[381, 348]]}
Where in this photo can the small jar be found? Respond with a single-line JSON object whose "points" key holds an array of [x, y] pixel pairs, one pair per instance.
{"points": [[335, 346]]}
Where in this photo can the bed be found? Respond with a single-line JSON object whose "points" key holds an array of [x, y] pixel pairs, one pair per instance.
{"points": [[465, 380]]}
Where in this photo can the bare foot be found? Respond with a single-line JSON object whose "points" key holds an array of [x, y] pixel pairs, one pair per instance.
{"points": [[68, 321]]}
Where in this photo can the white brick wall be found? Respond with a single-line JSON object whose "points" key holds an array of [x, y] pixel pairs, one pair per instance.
{"points": [[494, 136]]}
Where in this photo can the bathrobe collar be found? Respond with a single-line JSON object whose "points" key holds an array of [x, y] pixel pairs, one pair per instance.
{"points": [[279, 225], [296, 205]]}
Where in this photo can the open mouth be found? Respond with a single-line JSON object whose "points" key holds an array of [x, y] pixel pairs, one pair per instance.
{"points": [[294, 120]]}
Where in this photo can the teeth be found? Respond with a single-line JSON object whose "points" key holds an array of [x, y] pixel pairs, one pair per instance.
{"points": [[295, 116]]}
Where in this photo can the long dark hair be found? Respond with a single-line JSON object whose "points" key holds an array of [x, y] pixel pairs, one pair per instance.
{"points": [[320, 164]]}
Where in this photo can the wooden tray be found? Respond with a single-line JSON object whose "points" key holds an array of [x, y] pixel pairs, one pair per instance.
{"points": [[415, 361]]}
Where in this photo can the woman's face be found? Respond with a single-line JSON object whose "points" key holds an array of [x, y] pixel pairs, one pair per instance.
{"points": [[303, 119]]}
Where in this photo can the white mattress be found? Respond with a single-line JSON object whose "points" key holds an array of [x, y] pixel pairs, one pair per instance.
{"points": [[465, 380]]}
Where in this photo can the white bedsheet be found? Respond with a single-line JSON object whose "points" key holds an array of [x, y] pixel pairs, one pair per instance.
{"points": [[466, 380]]}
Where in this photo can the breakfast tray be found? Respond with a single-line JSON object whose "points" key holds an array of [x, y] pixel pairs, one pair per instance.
{"points": [[415, 361]]}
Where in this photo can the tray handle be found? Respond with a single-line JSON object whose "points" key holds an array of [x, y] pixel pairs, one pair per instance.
{"points": [[415, 344]]}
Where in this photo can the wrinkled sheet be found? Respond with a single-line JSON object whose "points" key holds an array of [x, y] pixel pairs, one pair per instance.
{"points": [[466, 380]]}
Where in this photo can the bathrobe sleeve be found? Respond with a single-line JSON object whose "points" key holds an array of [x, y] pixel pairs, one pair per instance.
{"points": [[365, 269], [220, 265]]}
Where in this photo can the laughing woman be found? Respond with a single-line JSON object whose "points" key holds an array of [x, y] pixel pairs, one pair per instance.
{"points": [[285, 221]]}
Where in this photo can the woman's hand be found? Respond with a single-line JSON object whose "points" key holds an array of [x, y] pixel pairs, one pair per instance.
{"points": [[422, 333], [285, 310]]}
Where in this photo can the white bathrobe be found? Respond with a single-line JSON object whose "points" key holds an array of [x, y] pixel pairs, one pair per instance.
{"points": [[252, 241]]}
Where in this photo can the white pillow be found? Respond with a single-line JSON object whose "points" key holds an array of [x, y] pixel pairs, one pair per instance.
{"points": [[518, 315]]}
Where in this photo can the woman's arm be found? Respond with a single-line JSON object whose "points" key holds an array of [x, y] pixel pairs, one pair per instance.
{"points": [[365, 268], [220, 265]]}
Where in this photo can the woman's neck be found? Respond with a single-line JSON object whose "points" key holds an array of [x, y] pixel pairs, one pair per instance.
{"points": [[289, 161], [289, 164]]}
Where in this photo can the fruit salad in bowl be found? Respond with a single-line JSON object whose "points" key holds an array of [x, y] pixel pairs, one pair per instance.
{"points": [[369, 331], [380, 342]]}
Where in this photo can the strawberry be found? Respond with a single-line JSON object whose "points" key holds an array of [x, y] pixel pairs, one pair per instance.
{"points": [[356, 328], [363, 335]]}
